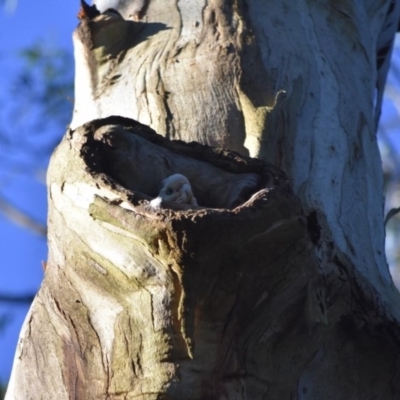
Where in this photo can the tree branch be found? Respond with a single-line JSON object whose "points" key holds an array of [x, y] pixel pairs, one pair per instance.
{"points": [[21, 218], [16, 299]]}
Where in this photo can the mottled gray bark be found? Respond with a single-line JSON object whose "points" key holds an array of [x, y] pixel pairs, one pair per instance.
{"points": [[276, 286]]}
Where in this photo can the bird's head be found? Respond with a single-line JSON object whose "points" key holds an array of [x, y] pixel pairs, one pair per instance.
{"points": [[171, 187]]}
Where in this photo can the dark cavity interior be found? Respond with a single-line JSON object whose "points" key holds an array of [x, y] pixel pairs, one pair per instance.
{"points": [[140, 166]]}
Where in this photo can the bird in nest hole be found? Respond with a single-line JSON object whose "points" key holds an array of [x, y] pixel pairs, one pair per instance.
{"points": [[176, 188]]}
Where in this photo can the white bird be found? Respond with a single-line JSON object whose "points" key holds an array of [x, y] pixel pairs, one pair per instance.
{"points": [[175, 188]]}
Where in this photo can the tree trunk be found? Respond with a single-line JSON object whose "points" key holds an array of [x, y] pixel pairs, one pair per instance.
{"points": [[276, 285]]}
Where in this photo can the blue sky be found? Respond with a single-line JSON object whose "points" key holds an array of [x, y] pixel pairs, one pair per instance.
{"points": [[22, 250]]}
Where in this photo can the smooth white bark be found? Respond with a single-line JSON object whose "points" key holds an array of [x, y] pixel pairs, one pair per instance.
{"points": [[294, 83]]}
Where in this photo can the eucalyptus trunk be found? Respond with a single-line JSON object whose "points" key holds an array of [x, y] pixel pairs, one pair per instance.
{"points": [[276, 285]]}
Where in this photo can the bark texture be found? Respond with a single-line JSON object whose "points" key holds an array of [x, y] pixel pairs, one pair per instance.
{"points": [[130, 292], [293, 84], [276, 287], [213, 303]]}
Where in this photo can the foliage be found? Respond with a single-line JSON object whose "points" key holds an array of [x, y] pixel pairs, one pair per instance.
{"points": [[44, 86], [47, 81], [37, 106]]}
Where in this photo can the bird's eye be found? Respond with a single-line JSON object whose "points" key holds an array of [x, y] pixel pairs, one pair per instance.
{"points": [[169, 191]]}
